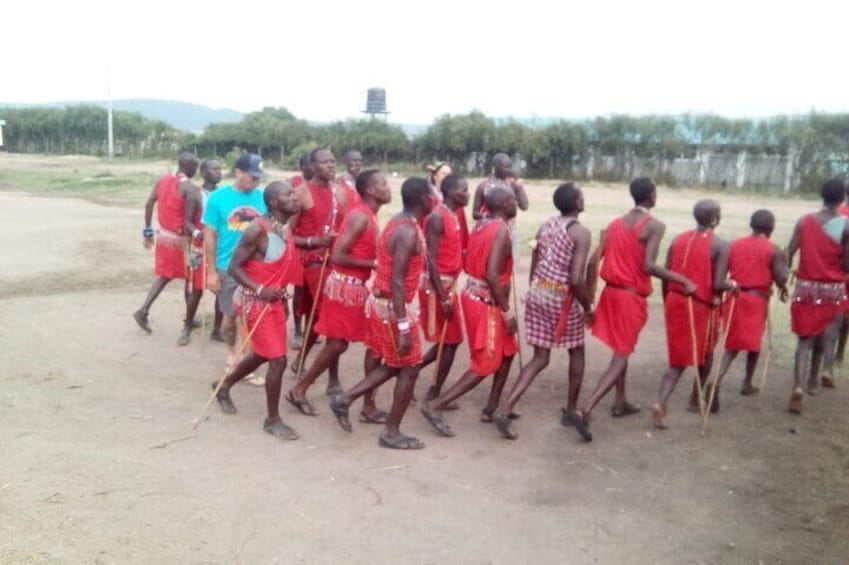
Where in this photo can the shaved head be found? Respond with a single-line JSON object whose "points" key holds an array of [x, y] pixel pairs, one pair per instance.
{"points": [[500, 200], [762, 221], [706, 213]]}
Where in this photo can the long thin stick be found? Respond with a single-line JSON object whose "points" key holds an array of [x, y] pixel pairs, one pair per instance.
{"points": [[695, 353], [200, 304], [716, 371], [315, 300], [239, 352], [762, 384], [516, 313], [439, 349]]}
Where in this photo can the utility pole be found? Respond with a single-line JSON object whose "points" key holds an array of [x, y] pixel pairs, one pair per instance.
{"points": [[110, 137]]}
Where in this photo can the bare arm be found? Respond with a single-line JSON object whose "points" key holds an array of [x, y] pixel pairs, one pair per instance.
{"points": [[654, 233], [593, 265], [534, 257], [148, 208], [434, 231], [845, 242], [341, 254], [477, 203], [402, 245], [521, 195], [780, 269], [719, 255], [578, 273], [793, 246], [501, 250], [192, 198]]}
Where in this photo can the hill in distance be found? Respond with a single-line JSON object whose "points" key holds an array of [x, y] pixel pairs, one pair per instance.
{"points": [[181, 115]]}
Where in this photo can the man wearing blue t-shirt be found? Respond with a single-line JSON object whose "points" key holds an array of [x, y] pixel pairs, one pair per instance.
{"points": [[229, 211]]}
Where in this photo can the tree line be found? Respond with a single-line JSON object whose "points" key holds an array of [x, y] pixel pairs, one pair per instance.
{"points": [[818, 144]]}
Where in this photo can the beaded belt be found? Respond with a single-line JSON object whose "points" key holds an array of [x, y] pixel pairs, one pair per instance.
{"points": [[250, 293], [347, 279], [819, 292], [478, 289]]}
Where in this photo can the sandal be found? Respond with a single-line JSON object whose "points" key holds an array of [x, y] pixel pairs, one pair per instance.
{"points": [[279, 430], [795, 405], [580, 423], [340, 410], [224, 400], [502, 422], [141, 319], [303, 406], [400, 441], [437, 422], [379, 417], [627, 409]]}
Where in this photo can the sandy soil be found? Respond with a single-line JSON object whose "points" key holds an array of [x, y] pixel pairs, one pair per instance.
{"points": [[99, 464]]}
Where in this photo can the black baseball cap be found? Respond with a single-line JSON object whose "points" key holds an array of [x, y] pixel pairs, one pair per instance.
{"points": [[250, 163]]}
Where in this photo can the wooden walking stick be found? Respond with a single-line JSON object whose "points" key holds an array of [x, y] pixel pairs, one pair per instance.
{"points": [[715, 378], [239, 352], [516, 314], [202, 317], [692, 317], [315, 300], [762, 384]]}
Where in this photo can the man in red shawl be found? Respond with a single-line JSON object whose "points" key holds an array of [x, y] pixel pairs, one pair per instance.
{"points": [[630, 260], [343, 318], [392, 331], [264, 263], [324, 202], [176, 231], [490, 322], [754, 263], [819, 300], [306, 175], [440, 306], [692, 320]]}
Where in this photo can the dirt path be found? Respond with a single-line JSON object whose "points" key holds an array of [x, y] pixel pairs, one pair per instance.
{"points": [[98, 465]]}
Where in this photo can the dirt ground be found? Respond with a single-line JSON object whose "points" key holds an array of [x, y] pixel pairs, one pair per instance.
{"points": [[99, 464]]}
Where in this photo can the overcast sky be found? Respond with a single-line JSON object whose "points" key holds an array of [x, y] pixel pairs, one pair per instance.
{"points": [[527, 58]]}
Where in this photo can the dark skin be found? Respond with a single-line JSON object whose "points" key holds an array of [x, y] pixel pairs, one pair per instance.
{"points": [[402, 245], [211, 177], [582, 238], [252, 247], [708, 218], [307, 174], [780, 274], [324, 169], [813, 351], [376, 195], [502, 207], [434, 235], [188, 166], [353, 164], [616, 372], [502, 169]]}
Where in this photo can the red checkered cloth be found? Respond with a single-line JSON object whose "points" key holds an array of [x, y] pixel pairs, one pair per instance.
{"points": [[542, 313], [382, 333]]}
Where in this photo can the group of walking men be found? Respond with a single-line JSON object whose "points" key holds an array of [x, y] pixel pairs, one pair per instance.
{"points": [[319, 233]]}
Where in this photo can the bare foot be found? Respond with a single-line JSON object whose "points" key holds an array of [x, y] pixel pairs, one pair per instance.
{"points": [[659, 417]]}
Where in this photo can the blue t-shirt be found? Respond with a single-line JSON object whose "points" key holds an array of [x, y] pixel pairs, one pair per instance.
{"points": [[229, 212]]}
